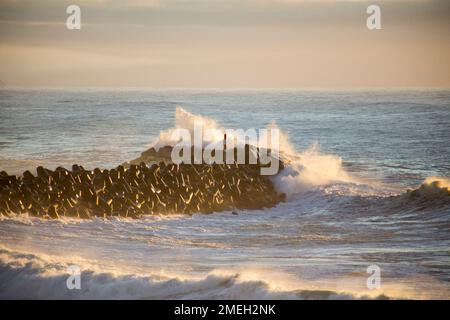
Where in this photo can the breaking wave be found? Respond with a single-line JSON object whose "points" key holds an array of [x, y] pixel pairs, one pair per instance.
{"points": [[28, 276], [433, 192], [306, 169], [186, 120], [214, 133], [310, 169], [314, 181]]}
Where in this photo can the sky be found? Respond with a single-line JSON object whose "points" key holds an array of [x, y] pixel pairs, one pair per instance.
{"points": [[225, 44]]}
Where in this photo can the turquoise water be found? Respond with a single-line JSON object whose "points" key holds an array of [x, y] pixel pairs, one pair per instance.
{"points": [[346, 209]]}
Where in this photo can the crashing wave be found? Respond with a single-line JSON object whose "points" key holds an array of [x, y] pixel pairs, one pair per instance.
{"points": [[433, 192], [27, 276]]}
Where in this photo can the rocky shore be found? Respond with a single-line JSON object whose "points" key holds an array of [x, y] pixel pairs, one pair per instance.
{"points": [[136, 189]]}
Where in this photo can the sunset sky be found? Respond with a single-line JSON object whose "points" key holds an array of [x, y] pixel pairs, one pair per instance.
{"points": [[225, 44]]}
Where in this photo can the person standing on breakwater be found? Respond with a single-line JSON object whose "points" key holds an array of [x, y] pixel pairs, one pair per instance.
{"points": [[225, 141]]}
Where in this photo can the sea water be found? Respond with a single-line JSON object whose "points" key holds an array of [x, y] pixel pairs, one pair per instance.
{"points": [[354, 154]]}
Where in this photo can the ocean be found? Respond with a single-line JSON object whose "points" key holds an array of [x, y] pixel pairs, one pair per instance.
{"points": [[354, 156]]}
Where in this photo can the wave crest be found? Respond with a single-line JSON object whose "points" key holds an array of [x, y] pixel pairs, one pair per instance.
{"points": [[310, 169], [433, 191], [27, 276]]}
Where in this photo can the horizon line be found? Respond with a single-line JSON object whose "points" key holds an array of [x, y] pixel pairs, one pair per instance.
{"points": [[175, 88]]}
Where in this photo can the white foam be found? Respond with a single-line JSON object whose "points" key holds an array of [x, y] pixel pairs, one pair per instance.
{"points": [[310, 169], [28, 276]]}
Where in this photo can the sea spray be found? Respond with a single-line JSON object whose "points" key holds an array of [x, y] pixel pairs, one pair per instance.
{"points": [[310, 169]]}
